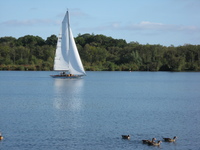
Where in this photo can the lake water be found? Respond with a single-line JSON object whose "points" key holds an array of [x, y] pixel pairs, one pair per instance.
{"points": [[40, 112]]}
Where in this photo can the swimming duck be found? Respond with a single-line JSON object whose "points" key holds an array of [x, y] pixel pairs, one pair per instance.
{"points": [[1, 137], [126, 137], [147, 141], [154, 143], [170, 140]]}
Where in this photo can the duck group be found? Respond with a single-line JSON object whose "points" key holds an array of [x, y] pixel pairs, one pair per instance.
{"points": [[152, 142]]}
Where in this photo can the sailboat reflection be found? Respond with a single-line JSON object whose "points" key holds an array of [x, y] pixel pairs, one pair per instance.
{"points": [[68, 94]]}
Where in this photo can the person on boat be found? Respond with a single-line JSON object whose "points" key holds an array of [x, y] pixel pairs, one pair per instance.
{"points": [[70, 75], [62, 73]]}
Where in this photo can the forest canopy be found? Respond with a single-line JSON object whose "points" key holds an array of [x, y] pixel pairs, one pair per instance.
{"points": [[98, 53]]}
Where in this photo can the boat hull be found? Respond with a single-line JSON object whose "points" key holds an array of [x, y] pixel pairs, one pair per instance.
{"points": [[66, 76]]}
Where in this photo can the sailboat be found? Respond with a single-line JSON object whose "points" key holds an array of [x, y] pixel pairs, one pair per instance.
{"points": [[67, 59]]}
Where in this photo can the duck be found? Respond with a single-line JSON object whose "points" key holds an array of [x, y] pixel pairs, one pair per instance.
{"points": [[126, 137], [170, 140], [1, 137], [147, 141], [154, 143]]}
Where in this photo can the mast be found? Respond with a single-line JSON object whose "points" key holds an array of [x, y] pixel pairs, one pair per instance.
{"points": [[68, 28]]}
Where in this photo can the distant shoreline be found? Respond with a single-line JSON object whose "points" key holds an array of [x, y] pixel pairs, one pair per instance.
{"points": [[98, 53]]}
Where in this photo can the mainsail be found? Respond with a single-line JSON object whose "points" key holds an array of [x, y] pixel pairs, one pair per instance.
{"points": [[67, 57]]}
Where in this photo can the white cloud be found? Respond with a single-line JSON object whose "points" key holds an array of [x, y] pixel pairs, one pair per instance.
{"points": [[150, 26], [144, 25], [32, 22]]}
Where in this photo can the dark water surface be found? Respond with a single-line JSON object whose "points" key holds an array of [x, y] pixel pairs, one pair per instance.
{"points": [[39, 112]]}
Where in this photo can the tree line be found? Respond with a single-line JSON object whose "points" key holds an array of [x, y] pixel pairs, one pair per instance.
{"points": [[98, 53]]}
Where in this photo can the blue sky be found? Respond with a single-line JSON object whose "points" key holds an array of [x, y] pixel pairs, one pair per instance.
{"points": [[165, 22]]}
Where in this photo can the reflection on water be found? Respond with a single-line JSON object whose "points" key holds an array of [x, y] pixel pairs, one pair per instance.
{"points": [[68, 105], [68, 93]]}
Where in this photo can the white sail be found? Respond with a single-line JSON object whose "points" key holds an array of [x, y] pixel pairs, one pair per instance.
{"points": [[75, 64], [67, 57]]}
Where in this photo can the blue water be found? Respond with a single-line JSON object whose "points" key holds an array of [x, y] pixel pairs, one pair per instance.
{"points": [[40, 112]]}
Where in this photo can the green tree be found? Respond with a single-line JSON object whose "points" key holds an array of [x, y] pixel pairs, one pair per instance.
{"points": [[52, 40]]}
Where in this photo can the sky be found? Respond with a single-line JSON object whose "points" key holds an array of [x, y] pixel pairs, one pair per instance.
{"points": [[164, 22]]}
